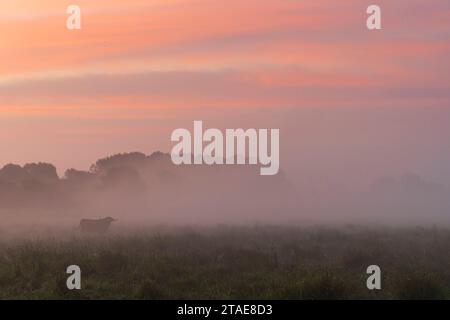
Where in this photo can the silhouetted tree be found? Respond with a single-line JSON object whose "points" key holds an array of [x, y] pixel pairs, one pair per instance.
{"points": [[13, 173], [42, 172]]}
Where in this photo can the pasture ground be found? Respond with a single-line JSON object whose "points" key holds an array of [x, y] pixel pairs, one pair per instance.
{"points": [[229, 262]]}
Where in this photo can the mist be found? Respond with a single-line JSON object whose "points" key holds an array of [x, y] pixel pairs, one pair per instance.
{"points": [[362, 166]]}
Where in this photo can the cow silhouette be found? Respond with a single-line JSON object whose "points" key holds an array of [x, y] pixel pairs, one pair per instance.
{"points": [[96, 226]]}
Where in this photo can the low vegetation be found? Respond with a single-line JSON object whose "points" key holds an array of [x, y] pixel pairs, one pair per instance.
{"points": [[225, 262]]}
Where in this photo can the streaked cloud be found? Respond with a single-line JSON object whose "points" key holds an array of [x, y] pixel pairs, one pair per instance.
{"points": [[166, 59]]}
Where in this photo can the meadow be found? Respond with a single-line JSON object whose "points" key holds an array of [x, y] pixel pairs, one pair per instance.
{"points": [[228, 262]]}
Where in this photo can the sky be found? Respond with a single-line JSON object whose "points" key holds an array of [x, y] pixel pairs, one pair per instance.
{"points": [[138, 69]]}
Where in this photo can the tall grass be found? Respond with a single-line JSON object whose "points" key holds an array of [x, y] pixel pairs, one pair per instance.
{"points": [[261, 262]]}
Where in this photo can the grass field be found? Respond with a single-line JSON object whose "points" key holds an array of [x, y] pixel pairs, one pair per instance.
{"points": [[224, 262]]}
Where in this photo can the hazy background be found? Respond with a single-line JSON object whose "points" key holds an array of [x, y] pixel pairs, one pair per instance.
{"points": [[364, 115]]}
